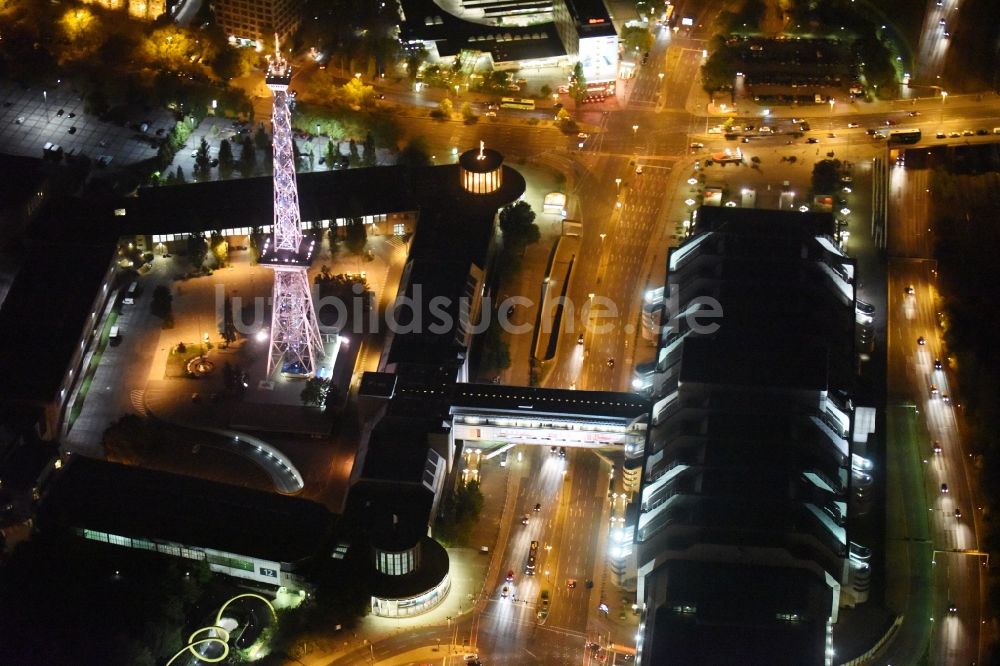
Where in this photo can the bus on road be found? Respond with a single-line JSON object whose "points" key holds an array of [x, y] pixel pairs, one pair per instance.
{"points": [[904, 136], [529, 566], [514, 103]]}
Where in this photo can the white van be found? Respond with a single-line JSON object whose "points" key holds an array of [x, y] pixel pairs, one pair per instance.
{"points": [[765, 130], [113, 335]]}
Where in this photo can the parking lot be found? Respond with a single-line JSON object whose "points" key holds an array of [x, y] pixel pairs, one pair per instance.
{"points": [[32, 117]]}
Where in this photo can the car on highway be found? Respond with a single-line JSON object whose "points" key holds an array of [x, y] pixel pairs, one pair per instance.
{"points": [[954, 135], [638, 170], [942, 22], [853, 125], [934, 390], [945, 398], [562, 451], [889, 122], [913, 114], [583, 135], [510, 575], [611, 362], [579, 339], [812, 139], [937, 448], [940, 135], [968, 133], [952, 608], [982, 131], [538, 506], [909, 290], [504, 592], [944, 488], [921, 341], [571, 583], [958, 514], [697, 146], [937, 364], [524, 519]]}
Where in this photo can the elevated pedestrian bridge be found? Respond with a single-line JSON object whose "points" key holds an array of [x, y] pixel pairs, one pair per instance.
{"points": [[548, 417]]}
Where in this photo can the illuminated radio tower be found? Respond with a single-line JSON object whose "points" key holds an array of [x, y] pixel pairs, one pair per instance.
{"points": [[296, 345]]}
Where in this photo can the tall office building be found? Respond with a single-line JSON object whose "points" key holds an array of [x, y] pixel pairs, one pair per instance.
{"points": [[259, 20], [741, 538]]}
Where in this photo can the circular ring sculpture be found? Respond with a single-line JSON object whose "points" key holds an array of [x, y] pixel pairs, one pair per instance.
{"points": [[223, 637]]}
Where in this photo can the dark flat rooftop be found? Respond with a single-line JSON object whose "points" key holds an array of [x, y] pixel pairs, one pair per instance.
{"points": [[390, 516], [427, 21], [397, 451], [735, 621], [45, 313], [745, 361], [760, 221], [533, 400], [138, 502]]}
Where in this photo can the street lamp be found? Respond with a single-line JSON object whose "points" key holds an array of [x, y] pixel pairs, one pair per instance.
{"points": [[635, 129], [944, 96], [618, 183], [602, 237]]}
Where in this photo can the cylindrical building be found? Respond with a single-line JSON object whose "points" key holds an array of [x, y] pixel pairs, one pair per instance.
{"points": [[482, 170]]}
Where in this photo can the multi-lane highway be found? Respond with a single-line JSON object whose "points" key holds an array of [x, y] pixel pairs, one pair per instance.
{"points": [[558, 505], [927, 437]]}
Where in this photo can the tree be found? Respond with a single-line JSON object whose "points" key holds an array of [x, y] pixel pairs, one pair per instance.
{"points": [[197, 249], [332, 153], [446, 108], [565, 120], [467, 113], [233, 62], [162, 302], [356, 236], [719, 70], [201, 159], [220, 249], [261, 139], [825, 176], [369, 158], [248, 157], [546, 90], [314, 392], [414, 154], [578, 87], [495, 355], [357, 94], [180, 175], [225, 158], [517, 223], [352, 153]]}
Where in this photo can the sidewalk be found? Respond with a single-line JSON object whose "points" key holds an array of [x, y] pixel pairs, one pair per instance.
{"points": [[699, 104]]}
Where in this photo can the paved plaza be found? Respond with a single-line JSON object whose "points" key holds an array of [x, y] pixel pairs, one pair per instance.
{"points": [[30, 117]]}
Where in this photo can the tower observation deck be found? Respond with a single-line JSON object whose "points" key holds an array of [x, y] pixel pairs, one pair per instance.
{"points": [[296, 344]]}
